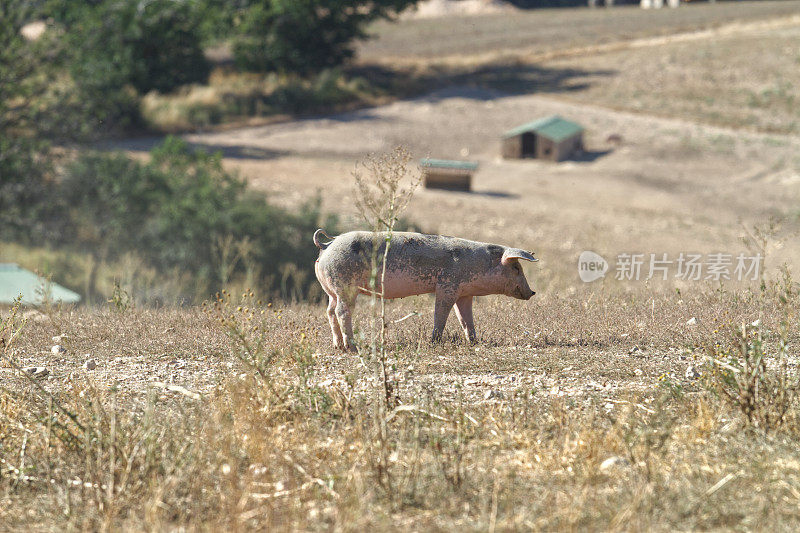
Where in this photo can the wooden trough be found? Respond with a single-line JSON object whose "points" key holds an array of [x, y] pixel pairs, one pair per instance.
{"points": [[447, 174]]}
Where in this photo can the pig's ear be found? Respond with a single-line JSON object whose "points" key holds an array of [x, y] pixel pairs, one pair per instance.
{"points": [[511, 254]]}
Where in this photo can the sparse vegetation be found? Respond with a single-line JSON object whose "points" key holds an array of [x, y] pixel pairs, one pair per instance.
{"points": [[384, 186], [232, 97], [571, 437]]}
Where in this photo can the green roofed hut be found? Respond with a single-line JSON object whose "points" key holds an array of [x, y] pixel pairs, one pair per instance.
{"points": [[551, 138], [16, 281], [447, 174]]}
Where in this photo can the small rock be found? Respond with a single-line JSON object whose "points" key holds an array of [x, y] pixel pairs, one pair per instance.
{"points": [[58, 338], [691, 322], [177, 363], [257, 469], [493, 395], [58, 349], [692, 372], [34, 316], [90, 364], [612, 462], [37, 371], [638, 372], [634, 350]]}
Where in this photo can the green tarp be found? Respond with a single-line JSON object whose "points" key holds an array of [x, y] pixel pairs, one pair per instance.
{"points": [[16, 281]]}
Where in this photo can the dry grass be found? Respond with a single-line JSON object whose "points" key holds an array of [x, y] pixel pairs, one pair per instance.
{"points": [[523, 33], [743, 80], [589, 421], [236, 99]]}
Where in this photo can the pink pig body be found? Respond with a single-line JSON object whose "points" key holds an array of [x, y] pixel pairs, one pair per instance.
{"points": [[455, 270]]}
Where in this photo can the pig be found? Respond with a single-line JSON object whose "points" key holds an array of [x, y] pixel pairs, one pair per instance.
{"points": [[455, 270]]}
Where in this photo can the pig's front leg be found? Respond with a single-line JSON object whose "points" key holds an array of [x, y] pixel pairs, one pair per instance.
{"points": [[464, 313], [444, 302]]}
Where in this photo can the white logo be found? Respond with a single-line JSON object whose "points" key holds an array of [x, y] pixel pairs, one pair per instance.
{"points": [[591, 266]]}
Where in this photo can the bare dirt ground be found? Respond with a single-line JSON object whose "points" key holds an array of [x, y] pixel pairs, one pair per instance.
{"points": [[579, 348]]}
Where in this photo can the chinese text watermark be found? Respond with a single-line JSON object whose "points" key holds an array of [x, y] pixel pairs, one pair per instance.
{"points": [[685, 266]]}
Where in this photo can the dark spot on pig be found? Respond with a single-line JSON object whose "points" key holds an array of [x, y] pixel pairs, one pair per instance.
{"points": [[496, 252], [361, 248]]}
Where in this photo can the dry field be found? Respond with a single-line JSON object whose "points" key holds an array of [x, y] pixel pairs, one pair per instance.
{"points": [[572, 413], [613, 405], [471, 38], [739, 79]]}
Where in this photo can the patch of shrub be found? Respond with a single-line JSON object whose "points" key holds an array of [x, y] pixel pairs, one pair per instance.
{"points": [[749, 366], [183, 211]]}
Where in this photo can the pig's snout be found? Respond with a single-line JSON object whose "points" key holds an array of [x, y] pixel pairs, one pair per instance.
{"points": [[524, 294]]}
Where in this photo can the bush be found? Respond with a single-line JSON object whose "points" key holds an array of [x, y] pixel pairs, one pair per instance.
{"points": [[749, 366]]}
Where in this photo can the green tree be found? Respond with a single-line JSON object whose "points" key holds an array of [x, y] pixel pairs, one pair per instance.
{"points": [[305, 36], [153, 45], [114, 51]]}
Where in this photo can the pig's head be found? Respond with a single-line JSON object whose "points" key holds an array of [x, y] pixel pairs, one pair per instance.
{"points": [[512, 276]]}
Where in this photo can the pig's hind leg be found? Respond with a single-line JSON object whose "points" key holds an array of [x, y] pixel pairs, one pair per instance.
{"points": [[333, 299], [344, 307], [336, 331], [463, 309]]}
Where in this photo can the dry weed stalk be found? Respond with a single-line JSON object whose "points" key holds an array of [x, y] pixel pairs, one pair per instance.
{"points": [[384, 186]]}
